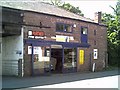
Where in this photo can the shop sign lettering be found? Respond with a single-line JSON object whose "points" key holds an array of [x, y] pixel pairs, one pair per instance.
{"points": [[36, 34]]}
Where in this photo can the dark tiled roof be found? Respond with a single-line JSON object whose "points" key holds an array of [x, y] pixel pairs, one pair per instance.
{"points": [[43, 8]]}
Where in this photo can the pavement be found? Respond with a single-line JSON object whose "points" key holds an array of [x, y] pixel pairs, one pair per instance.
{"points": [[26, 82]]}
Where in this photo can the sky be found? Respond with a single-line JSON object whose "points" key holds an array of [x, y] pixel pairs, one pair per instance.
{"points": [[89, 7]]}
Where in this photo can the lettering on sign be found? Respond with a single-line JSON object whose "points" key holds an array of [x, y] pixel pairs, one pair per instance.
{"points": [[36, 34]]}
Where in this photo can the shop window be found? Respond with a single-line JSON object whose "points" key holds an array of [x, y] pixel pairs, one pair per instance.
{"points": [[63, 27], [70, 58]]}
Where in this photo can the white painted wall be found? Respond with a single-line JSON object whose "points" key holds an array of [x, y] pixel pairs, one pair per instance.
{"points": [[10, 46], [1, 56]]}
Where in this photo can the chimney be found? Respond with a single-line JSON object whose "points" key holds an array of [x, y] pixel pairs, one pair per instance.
{"points": [[98, 17]]}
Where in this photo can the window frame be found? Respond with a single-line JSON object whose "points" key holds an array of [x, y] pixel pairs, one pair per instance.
{"points": [[64, 25]]}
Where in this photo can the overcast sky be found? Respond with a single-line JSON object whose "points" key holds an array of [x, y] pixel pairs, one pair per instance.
{"points": [[89, 7]]}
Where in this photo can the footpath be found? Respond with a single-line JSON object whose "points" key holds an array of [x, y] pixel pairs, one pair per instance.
{"points": [[26, 82]]}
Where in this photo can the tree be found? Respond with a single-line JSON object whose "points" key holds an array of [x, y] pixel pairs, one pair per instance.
{"points": [[67, 6], [113, 32], [56, 2]]}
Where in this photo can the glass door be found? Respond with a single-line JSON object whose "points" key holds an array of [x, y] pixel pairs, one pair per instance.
{"points": [[41, 60], [70, 60]]}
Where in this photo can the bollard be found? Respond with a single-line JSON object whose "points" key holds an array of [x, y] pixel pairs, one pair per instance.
{"points": [[93, 68]]}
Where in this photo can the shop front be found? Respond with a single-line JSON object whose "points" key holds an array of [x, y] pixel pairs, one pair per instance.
{"points": [[52, 57]]}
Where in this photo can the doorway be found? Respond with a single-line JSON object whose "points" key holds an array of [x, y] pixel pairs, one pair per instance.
{"points": [[56, 60]]}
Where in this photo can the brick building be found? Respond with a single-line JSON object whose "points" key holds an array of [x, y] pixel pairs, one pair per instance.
{"points": [[48, 39]]}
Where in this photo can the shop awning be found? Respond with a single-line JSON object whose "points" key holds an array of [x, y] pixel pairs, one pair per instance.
{"points": [[64, 44]]}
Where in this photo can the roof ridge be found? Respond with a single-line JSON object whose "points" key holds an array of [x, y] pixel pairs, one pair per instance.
{"points": [[47, 8]]}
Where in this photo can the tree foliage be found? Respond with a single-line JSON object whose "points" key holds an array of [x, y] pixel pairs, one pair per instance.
{"points": [[56, 2], [67, 6], [113, 32]]}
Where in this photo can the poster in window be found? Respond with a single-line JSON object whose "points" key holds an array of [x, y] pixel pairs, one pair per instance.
{"points": [[36, 50]]}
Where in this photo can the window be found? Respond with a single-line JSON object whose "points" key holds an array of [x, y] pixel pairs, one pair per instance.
{"points": [[70, 57], [63, 27], [59, 27], [94, 42], [84, 30], [94, 32]]}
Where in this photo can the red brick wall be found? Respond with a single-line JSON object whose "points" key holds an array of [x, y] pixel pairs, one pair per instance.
{"points": [[100, 37]]}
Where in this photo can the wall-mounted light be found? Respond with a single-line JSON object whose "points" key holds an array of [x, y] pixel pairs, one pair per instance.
{"points": [[21, 14], [74, 25]]}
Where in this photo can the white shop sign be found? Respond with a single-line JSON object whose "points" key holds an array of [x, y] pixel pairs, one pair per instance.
{"points": [[95, 54], [36, 50]]}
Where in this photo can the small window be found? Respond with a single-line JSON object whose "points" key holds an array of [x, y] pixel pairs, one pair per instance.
{"points": [[94, 42], [59, 27], [68, 28], [63, 27], [94, 32], [84, 30]]}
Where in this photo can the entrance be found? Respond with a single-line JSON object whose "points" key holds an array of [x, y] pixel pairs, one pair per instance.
{"points": [[56, 60]]}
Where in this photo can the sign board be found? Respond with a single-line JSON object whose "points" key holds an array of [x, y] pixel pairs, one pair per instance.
{"points": [[36, 50], [61, 38], [81, 57], [95, 53], [36, 34]]}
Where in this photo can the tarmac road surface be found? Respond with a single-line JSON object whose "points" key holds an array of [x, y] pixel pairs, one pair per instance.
{"points": [[75, 78]]}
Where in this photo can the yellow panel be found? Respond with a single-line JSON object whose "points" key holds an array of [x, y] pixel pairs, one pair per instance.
{"points": [[81, 57], [61, 39]]}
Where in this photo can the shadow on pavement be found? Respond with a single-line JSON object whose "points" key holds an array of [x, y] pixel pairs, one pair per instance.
{"points": [[25, 82]]}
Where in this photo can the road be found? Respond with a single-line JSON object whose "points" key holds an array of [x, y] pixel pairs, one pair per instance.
{"points": [[104, 82], [106, 79]]}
